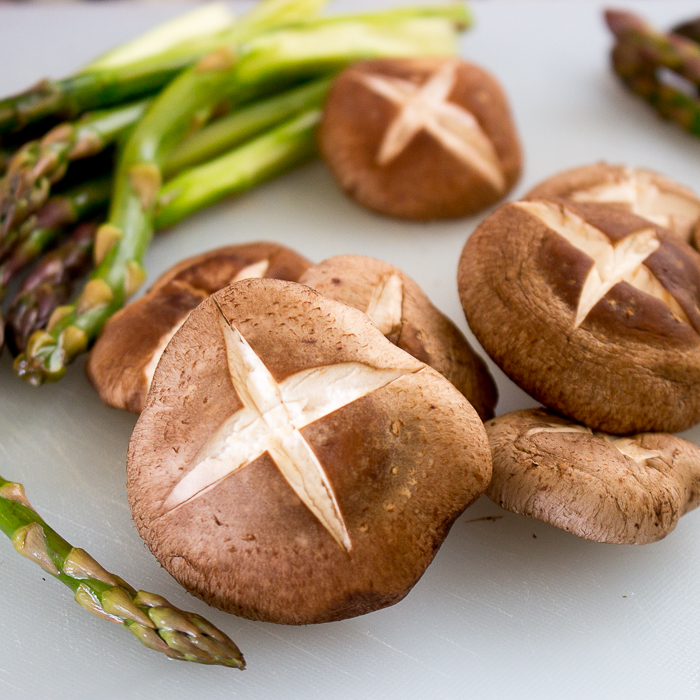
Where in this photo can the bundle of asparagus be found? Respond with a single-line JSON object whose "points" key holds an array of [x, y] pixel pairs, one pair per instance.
{"points": [[202, 107], [159, 102], [663, 68]]}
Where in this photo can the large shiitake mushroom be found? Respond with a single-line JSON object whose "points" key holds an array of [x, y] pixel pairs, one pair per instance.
{"points": [[122, 362], [404, 314], [420, 138], [590, 309], [624, 490], [291, 464], [643, 192]]}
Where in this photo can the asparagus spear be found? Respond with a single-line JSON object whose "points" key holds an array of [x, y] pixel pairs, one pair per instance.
{"points": [[49, 285], [637, 57], [40, 164], [229, 131], [275, 58], [138, 68], [280, 149], [150, 618]]}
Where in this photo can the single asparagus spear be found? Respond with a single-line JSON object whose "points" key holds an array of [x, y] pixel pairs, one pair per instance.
{"points": [[150, 618], [137, 68], [121, 243], [225, 133], [39, 164], [285, 146], [48, 286]]}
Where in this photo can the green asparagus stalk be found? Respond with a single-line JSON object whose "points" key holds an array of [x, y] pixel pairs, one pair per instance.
{"points": [[40, 164], [138, 68], [269, 60], [150, 618], [262, 158], [227, 132]]}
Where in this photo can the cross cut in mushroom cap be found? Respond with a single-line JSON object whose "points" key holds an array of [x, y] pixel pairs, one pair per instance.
{"points": [[644, 192], [305, 469], [420, 138], [590, 309], [405, 315], [125, 356], [628, 490]]}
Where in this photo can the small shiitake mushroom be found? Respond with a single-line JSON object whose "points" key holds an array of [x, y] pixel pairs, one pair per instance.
{"points": [[590, 309], [623, 490], [404, 314], [420, 138], [291, 464], [643, 192], [122, 362]]}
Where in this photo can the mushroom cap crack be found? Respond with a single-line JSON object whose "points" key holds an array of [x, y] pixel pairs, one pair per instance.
{"points": [[271, 419], [613, 262], [426, 107]]}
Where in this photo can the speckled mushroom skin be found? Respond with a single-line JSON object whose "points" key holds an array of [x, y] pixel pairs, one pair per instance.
{"points": [[126, 345], [631, 366], [582, 483], [424, 331], [404, 461], [572, 182], [425, 181]]}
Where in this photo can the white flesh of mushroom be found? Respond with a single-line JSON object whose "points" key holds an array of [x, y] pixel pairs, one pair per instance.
{"points": [[427, 107], [385, 304], [256, 270], [644, 198], [271, 419], [622, 261], [627, 446]]}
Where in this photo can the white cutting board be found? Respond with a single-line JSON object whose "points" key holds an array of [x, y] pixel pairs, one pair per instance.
{"points": [[511, 608]]}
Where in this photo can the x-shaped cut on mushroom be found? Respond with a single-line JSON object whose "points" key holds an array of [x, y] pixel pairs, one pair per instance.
{"points": [[621, 261], [385, 306], [271, 420], [626, 445], [426, 107], [644, 198]]}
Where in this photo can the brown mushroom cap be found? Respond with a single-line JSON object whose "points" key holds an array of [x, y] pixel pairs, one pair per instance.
{"points": [[643, 192], [401, 450], [591, 310], [122, 362], [455, 153], [629, 490], [405, 316]]}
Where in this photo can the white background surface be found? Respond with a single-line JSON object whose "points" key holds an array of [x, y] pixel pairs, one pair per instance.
{"points": [[511, 608]]}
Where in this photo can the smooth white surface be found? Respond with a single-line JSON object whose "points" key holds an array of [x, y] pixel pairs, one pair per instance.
{"points": [[511, 608]]}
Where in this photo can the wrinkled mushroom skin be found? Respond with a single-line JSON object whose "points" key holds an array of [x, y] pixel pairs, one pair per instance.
{"points": [[549, 468], [121, 363], [425, 180], [403, 460], [632, 364], [644, 192], [423, 331]]}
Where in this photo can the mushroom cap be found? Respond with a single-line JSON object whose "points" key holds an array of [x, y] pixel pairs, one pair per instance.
{"points": [[591, 310], [405, 315], [121, 364], [642, 191], [400, 450], [629, 490], [452, 152]]}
